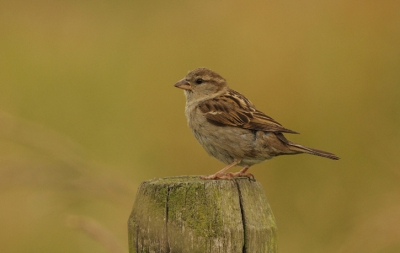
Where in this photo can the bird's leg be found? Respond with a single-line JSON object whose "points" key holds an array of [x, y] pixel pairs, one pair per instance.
{"points": [[221, 174], [242, 173]]}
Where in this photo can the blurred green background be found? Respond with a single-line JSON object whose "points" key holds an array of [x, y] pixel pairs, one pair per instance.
{"points": [[88, 111]]}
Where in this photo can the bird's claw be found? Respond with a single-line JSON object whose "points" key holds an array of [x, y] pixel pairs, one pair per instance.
{"points": [[217, 176], [228, 176], [240, 174]]}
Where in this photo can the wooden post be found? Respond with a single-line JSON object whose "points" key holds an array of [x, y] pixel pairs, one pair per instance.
{"points": [[188, 214]]}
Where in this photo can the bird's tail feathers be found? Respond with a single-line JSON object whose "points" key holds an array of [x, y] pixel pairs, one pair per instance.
{"points": [[301, 149]]}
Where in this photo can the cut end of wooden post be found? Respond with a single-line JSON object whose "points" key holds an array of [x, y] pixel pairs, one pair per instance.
{"points": [[188, 214]]}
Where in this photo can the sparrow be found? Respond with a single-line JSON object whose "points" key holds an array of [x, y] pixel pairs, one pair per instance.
{"points": [[231, 129]]}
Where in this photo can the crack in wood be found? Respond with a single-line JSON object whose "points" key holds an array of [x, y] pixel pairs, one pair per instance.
{"points": [[243, 216], [137, 238], [166, 221]]}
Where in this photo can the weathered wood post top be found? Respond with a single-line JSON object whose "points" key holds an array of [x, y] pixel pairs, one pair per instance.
{"points": [[188, 214]]}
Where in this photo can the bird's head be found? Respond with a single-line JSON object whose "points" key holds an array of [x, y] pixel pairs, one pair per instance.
{"points": [[202, 83]]}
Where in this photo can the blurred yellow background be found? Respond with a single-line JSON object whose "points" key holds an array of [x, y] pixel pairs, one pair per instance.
{"points": [[88, 111]]}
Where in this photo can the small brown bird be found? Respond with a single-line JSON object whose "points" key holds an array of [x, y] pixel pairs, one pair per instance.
{"points": [[230, 128]]}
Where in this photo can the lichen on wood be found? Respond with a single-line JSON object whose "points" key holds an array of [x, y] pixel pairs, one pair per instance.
{"points": [[187, 214]]}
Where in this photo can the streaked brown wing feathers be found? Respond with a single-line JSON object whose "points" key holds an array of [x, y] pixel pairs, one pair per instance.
{"points": [[234, 110]]}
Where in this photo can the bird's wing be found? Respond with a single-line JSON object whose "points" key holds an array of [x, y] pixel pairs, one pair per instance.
{"points": [[234, 109]]}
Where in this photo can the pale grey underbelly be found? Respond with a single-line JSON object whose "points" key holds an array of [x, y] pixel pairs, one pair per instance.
{"points": [[229, 144]]}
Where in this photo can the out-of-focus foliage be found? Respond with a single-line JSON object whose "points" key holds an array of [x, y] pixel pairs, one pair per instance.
{"points": [[88, 110]]}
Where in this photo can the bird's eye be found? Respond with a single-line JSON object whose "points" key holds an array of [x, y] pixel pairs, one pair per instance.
{"points": [[199, 81]]}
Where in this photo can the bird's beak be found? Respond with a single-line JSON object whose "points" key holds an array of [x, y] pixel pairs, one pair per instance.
{"points": [[183, 84]]}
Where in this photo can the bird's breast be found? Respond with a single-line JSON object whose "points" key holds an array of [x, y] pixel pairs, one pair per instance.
{"points": [[226, 143]]}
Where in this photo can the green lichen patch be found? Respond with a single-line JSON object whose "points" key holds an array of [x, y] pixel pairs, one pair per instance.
{"points": [[188, 214]]}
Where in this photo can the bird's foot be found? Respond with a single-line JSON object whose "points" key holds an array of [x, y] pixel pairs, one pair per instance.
{"points": [[241, 174], [216, 176], [221, 174], [228, 176]]}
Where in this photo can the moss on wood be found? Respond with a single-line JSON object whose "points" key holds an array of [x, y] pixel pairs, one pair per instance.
{"points": [[187, 214]]}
